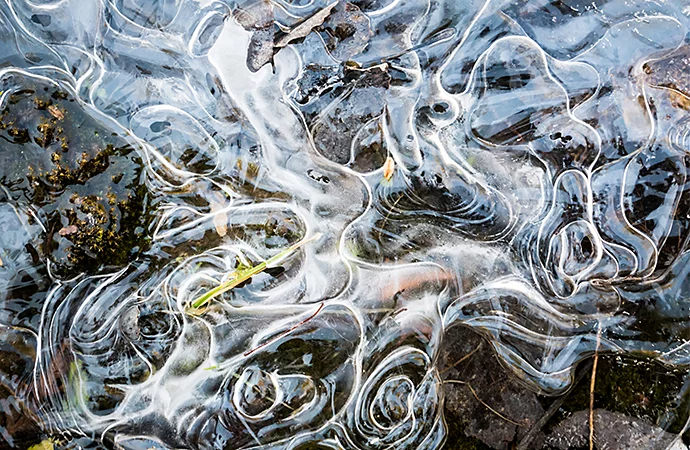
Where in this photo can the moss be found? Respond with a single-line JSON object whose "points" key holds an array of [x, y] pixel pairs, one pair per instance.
{"points": [[116, 246], [46, 444], [87, 182]]}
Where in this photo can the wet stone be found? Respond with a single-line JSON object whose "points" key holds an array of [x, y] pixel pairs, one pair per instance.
{"points": [[338, 103], [611, 430], [485, 406], [408, 224], [17, 428], [641, 390]]}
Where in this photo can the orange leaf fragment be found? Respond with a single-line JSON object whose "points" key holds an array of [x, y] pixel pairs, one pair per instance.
{"points": [[388, 168]]}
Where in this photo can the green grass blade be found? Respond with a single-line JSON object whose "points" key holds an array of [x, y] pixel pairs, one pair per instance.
{"points": [[240, 276]]}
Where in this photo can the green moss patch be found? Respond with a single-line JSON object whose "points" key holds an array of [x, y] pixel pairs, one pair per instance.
{"points": [[85, 183]]}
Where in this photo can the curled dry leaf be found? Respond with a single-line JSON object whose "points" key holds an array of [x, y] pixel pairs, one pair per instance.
{"points": [[220, 217], [344, 28], [264, 44]]}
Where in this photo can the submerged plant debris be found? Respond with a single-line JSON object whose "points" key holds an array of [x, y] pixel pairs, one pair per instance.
{"points": [[345, 225]]}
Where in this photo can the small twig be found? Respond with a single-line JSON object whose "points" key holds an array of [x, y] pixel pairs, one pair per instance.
{"points": [[385, 219], [482, 402], [591, 388], [286, 332], [464, 358], [399, 311]]}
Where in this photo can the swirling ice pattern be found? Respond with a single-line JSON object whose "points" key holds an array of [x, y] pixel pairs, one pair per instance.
{"points": [[516, 167]]}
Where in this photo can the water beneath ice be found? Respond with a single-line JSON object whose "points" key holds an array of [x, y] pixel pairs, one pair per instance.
{"points": [[516, 167]]}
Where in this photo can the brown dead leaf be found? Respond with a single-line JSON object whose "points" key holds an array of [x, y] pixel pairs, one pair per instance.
{"points": [[257, 16], [305, 27], [347, 31]]}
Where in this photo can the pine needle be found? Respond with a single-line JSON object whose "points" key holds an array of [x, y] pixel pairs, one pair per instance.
{"points": [[483, 402], [243, 273], [464, 358], [286, 332]]}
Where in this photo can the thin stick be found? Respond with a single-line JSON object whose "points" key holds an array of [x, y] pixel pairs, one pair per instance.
{"points": [[482, 402], [385, 219], [286, 332], [400, 311], [591, 388]]}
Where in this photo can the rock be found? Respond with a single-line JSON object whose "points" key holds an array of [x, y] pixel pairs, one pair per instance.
{"points": [[346, 32], [489, 405], [612, 431], [18, 426], [257, 17], [349, 101]]}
